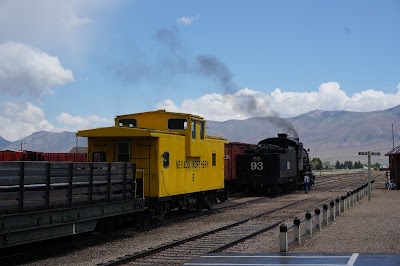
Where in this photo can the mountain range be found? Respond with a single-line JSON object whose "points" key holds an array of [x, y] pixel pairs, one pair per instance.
{"points": [[330, 135]]}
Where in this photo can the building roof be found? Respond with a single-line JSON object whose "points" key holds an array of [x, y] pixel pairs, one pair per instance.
{"points": [[395, 151]]}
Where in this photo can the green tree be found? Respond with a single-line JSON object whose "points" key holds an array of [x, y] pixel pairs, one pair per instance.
{"points": [[316, 164], [326, 165], [358, 165], [348, 165], [338, 165], [376, 165]]}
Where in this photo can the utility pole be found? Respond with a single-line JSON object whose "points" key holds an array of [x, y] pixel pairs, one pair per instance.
{"points": [[369, 153], [393, 135]]}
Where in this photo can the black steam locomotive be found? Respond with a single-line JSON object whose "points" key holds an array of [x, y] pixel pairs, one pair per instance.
{"points": [[274, 165]]}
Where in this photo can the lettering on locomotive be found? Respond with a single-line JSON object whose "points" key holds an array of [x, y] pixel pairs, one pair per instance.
{"points": [[257, 166]]}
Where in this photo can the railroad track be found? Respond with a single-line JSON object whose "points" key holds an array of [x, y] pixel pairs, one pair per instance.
{"points": [[69, 246], [224, 237], [30, 252]]}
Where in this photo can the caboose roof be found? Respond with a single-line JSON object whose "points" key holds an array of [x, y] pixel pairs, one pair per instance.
{"points": [[162, 112], [122, 132]]}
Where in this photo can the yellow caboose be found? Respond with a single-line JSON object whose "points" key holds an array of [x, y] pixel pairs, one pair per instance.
{"points": [[180, 165]]}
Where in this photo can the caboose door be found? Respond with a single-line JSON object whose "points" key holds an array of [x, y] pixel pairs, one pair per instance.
{"points": [[123, 151]]}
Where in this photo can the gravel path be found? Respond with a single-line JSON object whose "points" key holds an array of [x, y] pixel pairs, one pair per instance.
{"points": [[367, 227]]}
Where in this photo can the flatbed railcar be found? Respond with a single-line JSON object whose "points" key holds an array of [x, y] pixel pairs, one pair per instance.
{"points": [[45, 200], [274, 165]]}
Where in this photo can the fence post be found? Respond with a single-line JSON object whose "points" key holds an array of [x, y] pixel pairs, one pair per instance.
{"points": [[348, 200], [283, 238], [318, 219], [333, 211], [297, 231], [358, 194], [351, 198], [325, 214], [342, 198], [309, 224], [354, 197], [338, 206]]}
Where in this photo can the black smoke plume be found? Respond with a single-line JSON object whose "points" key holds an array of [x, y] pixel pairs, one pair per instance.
{"points": [[172, 59]]}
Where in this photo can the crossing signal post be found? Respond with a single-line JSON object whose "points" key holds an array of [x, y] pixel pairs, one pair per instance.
{"points": [[369, 153]]}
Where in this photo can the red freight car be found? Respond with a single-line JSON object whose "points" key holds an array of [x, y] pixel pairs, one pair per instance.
{"points": [[42, 156], [231, 150]]}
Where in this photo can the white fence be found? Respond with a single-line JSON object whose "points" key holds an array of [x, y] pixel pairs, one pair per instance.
{"points": [[305, 227]]}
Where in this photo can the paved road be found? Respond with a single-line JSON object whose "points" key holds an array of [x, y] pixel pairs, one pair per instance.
{"points": [[354, 259]]}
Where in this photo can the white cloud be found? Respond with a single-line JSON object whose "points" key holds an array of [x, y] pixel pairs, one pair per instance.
{"points": [[21, 120], [64, 27], [26, 70], [187, 20], [69, 122], [247, 103], [75, 21], [168, 104]]}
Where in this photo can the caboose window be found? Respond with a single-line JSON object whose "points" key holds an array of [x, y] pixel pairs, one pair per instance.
{"points": [[99, 156], [202, 130], [214, 159], [177, 123], [193, 130], [127, 123], [166, 159]]}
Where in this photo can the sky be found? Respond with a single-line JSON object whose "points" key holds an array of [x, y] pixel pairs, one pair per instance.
{"points": [[74, 65]]}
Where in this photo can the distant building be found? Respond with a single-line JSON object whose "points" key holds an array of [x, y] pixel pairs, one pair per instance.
{"points": [[394, 165]]}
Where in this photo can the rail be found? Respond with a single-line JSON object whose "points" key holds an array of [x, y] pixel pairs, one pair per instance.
{"points": [[317, 220]]}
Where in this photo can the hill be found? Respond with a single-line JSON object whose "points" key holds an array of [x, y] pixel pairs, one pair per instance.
{"points": [[47, 142], [4, 142], [330, 135]]}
